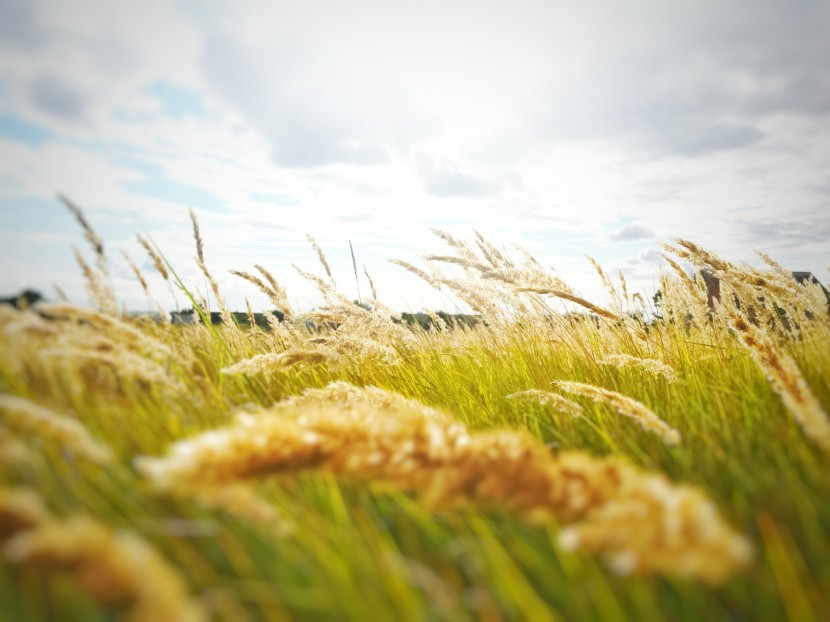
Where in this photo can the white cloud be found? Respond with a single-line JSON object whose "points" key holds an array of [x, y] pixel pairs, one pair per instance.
{"points": [[548, 123]]}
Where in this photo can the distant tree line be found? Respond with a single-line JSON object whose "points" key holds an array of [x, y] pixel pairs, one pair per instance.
{"points": [[28, 298]]}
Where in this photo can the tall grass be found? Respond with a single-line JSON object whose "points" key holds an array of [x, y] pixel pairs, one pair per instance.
{"points": [[369, 470]]}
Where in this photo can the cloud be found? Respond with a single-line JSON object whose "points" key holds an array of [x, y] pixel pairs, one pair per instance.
{"points": [[563, 120], [783, 233], [308, 110], [56, 96], [689, 80], [177, 102], [457, 184], [18, 25], [651, 257], [631, 232]]}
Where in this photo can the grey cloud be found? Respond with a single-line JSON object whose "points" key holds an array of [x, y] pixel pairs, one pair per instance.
{"points": [[788, 234], [631, 232], [696, 138], [822, 188], [308, 112], [18, 24], [55, 96], [651, 257], [692, 79]]}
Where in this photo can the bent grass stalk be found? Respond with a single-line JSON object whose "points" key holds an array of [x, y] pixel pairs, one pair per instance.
{"points": [[337, 452], [546, 398], [265, 363], [26, 417], [785, 378], [639, 520], [653, 366], [626, 407], [114, 567]]}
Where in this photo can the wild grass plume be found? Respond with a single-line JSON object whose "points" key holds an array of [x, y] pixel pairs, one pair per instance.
{"points": [[546, 398], [415, 448], [625, 406], [353, 461], [116, 568], [29, 419]]}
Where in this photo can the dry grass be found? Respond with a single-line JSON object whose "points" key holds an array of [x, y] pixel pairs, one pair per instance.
{"points": [[29, 419], [625, 406], [639, 520], [546, 398], [275, 474], [115, 568], [652, 366]]}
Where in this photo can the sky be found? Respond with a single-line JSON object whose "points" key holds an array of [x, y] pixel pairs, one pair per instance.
{"points": [[597, 127]]}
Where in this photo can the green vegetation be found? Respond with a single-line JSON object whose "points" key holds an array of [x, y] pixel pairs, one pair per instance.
{"points": [[308, 541]]}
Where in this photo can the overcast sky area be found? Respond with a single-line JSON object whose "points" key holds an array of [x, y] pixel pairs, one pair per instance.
{"points": [[595, 127]]}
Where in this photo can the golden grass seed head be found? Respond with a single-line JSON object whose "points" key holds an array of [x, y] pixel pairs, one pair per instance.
{"points": [[653, 366], [267, 363], [114, 567], [546, 398], [26, 417], [371, 435], [158, 261], [321, 256], [20, 509], [626, 407]]}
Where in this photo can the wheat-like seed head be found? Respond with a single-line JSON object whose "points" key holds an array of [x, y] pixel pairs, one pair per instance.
{"points": [[582, 302], [135, 270], [113, 567], [241, 501], [321, 256], [375, 436], [13, 452], [493, 256], [119, 330], [607, 283], [785, 378], [371, 284], [417, 271], [625, 406], [100, 292], [461, 247], [90, 234], [20, 509], [158, 262], [653, 366], [546, 398], [268, 363], [277, 292], [459, 261], [197, 236], [624, 287], [26, 417]]}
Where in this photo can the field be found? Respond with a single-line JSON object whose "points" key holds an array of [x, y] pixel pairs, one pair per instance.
{"points": [[558, 460]]}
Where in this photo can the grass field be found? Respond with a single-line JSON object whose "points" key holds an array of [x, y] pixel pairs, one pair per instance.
{"points": [[562, 460]]}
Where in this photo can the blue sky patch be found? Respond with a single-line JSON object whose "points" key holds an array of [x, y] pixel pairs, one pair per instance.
{"points": [[177, 102], [20, 131], [280, 199], [148, 169], [33, 214], [176, 192]]}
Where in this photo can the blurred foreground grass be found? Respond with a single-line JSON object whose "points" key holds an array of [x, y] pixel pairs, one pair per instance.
{"points": [[341, 549]]}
